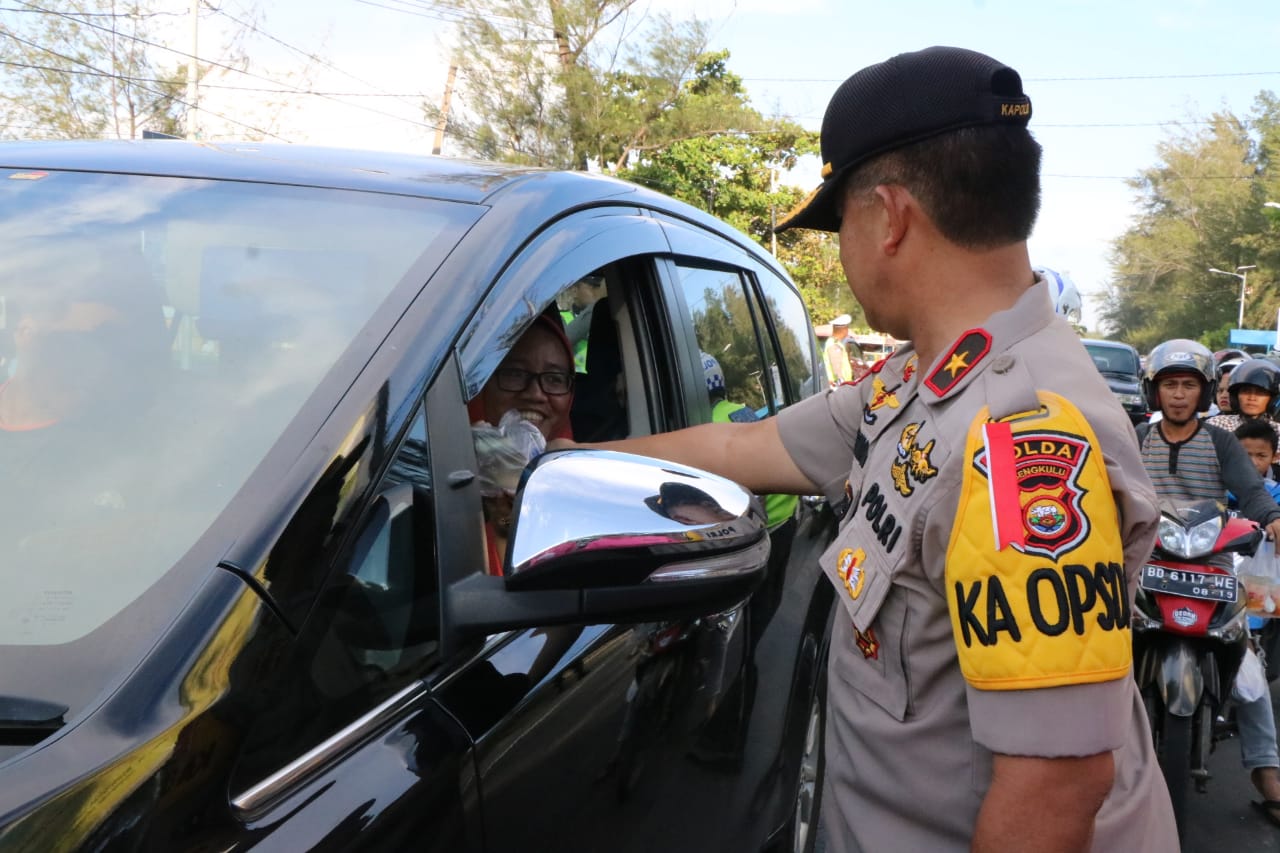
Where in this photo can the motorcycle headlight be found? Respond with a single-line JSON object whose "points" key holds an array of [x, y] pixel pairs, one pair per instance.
{"points": [[1189, 543]]}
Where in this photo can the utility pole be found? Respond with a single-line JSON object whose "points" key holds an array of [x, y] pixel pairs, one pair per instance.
{"points": [[193, 93], [773, 211], [438, 146]]}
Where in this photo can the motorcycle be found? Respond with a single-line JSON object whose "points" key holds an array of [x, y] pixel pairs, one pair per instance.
{"points": [[1190, 632]]}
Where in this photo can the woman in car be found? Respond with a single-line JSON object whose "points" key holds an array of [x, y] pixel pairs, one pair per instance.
{"points": [[524, 403]]}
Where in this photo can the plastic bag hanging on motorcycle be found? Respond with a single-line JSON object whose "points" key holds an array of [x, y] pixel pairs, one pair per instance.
{"points": [[1260, 575]]}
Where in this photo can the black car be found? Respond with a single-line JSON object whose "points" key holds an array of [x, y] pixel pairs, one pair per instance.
{"points": [[245, 590], [1121, 366]]}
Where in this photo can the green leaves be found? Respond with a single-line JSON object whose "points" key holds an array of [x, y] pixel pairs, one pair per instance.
{"points": [[1202, 206]]}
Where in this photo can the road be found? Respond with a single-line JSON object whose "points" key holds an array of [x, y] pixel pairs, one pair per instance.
{"points": [[1221, 819]]}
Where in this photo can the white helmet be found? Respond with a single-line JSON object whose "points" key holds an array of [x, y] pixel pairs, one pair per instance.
{"points": [[714, 375], [1064, 293]]}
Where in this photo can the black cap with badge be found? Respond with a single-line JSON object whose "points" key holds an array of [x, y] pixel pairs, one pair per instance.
{"points": [[905, 99]]}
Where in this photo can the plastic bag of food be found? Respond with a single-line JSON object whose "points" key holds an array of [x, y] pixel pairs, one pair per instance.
{"points": [[504, 451], [1260, 575]]}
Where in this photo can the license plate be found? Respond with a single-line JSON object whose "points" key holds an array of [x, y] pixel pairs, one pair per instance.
{"points": [[1201, 585]]}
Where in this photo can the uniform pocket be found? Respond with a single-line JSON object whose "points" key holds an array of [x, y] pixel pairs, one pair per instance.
{"points": [[877, 665]]}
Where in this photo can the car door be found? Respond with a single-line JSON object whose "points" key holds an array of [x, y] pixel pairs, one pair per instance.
{"points": [[585, 735], [750, 321], [347, 748]]}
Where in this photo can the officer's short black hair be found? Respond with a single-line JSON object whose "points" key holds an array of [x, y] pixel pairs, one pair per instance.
{"points": [[979, 185]]}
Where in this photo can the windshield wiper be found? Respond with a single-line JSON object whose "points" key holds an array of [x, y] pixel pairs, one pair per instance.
{"points": [[25, 722]]}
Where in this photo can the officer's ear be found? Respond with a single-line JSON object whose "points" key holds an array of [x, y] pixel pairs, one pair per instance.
{"points": [[900, 209]]}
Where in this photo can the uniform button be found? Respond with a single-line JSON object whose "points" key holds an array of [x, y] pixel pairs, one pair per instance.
{"points": [[1003, 363]]}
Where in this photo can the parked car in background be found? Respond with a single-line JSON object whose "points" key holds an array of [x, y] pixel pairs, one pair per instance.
{"points": [[1121, 366], [243, 551]]}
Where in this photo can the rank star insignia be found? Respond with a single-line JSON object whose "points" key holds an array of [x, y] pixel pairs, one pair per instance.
{"points": [[880, 397], [970, 349], [867, 643], [912, 462]]}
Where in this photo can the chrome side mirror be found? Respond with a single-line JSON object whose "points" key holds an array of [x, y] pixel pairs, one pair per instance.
{"points": [[631, 519]]}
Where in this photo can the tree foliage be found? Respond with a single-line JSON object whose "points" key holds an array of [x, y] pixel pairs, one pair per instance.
{"points": [[76, 69], [582, 84], [1201, 207]]}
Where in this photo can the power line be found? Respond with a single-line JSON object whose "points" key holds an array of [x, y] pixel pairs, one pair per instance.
{"points": [[379, 92], [417, 11], [130, 15], [1099, 79], [161, 94], [287, 90]]}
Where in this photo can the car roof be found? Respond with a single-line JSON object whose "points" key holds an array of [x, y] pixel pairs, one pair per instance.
{"points": [[419, 175], [1113, 344], [339, 168]]}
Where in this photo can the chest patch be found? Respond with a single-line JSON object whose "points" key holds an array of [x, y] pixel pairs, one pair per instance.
{"points": [[911, 461], [881, 396]]}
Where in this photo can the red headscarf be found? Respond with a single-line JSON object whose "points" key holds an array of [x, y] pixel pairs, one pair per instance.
{"points": [[550, 320]]}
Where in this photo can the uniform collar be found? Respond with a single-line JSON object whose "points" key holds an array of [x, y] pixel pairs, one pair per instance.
{"points": [[969, 355]]}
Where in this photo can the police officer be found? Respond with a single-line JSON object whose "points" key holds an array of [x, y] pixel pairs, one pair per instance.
{"points": [[835, 353], [995, 510]]}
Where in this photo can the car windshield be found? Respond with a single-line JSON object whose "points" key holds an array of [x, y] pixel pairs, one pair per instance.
{"points": [[157, 335], [1119, 360]]}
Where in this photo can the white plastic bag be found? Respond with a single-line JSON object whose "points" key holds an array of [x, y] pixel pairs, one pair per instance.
{"points": [[504, 451], [1260, 575], [1251, 680]]}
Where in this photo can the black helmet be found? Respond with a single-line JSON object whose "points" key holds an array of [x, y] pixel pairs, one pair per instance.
{"points": [[1179, 356], [1260, 372]]}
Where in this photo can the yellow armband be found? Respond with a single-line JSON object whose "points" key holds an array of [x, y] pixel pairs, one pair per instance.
{"points": [[1035, 574]]}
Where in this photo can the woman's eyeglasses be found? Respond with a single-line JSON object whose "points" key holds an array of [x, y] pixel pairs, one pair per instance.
{"points": [[552, 382]]}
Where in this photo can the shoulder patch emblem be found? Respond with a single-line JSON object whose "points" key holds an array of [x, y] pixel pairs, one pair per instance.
{"points": [[851, 571], [912, 462], [963, 357], [1046, 474]]}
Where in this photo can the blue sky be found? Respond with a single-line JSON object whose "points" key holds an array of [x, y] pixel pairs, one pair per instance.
{"points": [[1106, 79]]}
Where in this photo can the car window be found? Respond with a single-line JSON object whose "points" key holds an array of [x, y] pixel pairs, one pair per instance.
{"points": [[376, 626], [610, 397], [158, 335], [1113, 359], [727, 334], [788, 352]]}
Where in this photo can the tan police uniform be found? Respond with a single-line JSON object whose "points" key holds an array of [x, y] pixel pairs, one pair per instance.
{"points": [[998, 515]]}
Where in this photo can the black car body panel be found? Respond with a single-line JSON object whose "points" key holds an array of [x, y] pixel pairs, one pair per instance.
{"points": [[260, 690]]}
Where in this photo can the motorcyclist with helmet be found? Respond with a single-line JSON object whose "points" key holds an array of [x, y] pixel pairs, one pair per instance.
{"points": [[1254, 389], [1227, 361], [1192, 459]]}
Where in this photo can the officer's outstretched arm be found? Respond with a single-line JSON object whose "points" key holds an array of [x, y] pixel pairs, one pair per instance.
{"points": [[751, 454]]}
